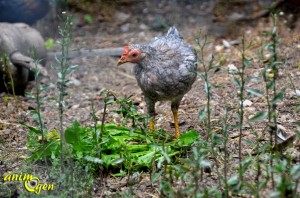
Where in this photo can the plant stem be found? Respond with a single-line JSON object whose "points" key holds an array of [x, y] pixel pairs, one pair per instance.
{"points": [[225, 135], [38, 110], [274, 71], [62, 83], [241, 108]]}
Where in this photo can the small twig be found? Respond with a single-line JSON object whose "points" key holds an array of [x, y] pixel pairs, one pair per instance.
{"points": [[260, 14], [88, 53], [7, 123]]}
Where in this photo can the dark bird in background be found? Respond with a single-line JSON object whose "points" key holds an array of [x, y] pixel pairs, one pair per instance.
{"points": [[26, 11], [165, 70]]}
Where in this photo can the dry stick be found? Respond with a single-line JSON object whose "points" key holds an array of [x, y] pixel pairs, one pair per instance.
{"points": [[7, 123], [261, 13], [89, 53]]}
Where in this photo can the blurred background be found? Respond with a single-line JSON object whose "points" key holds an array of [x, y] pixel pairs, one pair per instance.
{"points": [[218, 18]]}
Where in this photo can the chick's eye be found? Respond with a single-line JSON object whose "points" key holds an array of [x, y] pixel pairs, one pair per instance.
{"points": [[134, 55]]}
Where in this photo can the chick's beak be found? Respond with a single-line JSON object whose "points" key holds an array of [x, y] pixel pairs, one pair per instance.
{"points": [[122, 60]]}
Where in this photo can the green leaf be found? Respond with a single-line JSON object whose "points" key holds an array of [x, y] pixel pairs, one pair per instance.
{"points": [[88, 18], [255, 92], [246, 163], [93, 159], [202, 114], [295, 172], [49, 43], [236, 82], [233, 181], [270, 85], [207, 87], [32, 129], [146, 158], [279, 96], [200, 74], [117, 161], [77, 136], [188, 138], [259, 116], [71, 133], [120, 174], [214, 67], [155, 177]]}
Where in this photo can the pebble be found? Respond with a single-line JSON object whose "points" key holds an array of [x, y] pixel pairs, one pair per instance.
{"points": [[226, 43], [232, 69], [143, 26], [219, 48], [122, 17], [142, 34], [125, 27], [75, 82], [247, 103]]}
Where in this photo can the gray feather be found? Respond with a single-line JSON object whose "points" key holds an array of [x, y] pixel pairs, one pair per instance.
{"points": [[168, 70]]}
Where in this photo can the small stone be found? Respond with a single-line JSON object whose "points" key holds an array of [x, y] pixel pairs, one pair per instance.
{"points": [[247, 103], [219, 48], [143, 26], [226, 43], [75, 82], [125, 27], [235, 16], [122, 17], [232, 69], [142, 34], [76, 106]]}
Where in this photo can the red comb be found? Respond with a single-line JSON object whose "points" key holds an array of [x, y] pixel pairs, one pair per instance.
{"points": [[126, 50]]}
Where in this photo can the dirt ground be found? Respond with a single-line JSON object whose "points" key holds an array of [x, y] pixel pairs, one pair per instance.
{"points": [[136, 24]]}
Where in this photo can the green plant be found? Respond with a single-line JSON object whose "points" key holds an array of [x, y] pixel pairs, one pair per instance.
{"points": [[49, 43], [120, 147], [205, 113], [88, 18], [270, 74], [7, 77]]}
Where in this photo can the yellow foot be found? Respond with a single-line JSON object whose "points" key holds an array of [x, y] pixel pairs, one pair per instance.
{"points": [[151, 123], [175, 115]]}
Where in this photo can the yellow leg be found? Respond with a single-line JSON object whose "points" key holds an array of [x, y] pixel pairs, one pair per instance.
{"points": [[151, 123], [175, 115]]}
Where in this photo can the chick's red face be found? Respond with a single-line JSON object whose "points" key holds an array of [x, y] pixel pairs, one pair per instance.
{"points": [[130, 55]]}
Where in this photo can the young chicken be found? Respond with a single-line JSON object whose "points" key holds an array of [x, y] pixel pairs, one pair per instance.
{"points": [[165, 70]]}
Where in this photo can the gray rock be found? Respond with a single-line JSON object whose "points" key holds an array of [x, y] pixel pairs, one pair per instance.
{"points": [[125, 27], [122, 17], [19, 42]]}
